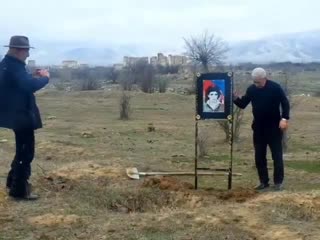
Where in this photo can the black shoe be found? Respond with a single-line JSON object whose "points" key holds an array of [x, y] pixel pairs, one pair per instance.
{"points": [[9, 180], [278, 187], [22, 192], [27, 197], [261, 186]]}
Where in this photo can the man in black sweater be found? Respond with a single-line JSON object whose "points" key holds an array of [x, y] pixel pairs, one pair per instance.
{"points": [[268, 124]]}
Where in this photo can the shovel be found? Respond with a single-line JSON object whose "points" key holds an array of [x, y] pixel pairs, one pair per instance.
{"points": [[133, 173]]}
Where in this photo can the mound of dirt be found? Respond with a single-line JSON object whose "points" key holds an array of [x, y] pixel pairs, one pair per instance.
{"points": [[54, 220], [237, 195], [167, 183]]}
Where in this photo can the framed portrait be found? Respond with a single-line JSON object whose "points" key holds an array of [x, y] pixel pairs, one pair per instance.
{"points": [[214, 95]]}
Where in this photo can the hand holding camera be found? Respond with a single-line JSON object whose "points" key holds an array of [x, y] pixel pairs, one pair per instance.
{"points": [[42, 73]]}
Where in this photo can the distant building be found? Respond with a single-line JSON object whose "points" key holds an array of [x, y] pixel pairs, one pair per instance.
{"points": [[31, 63], [162, 59], [134, 60], [118, 66], [177, 60], [70, 64], [84, 65], [154, 60]]}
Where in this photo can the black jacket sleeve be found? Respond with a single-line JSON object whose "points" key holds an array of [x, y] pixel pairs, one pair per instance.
{"points": [[242, 102], [285, 105], [26, 82]]}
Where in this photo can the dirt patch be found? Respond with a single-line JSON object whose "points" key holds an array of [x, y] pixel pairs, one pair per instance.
{"points": [[302, 207], [49, 220], [152, 200], [237, 195], [4, 215], [3, 196], [296, 198], [312, 203], [262, 224], [282, 233], [152, 195], [66, 178], [167, 183], [59, 150], [182, 195], [54, 183], [190, 200], [81, 170], [121, 199], [197, 198]]}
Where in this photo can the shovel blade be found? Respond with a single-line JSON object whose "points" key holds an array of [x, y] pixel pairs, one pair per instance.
{"points": [[133, 173]]}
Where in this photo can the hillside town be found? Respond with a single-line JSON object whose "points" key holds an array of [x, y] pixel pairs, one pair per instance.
{"points": [[160, 59]]}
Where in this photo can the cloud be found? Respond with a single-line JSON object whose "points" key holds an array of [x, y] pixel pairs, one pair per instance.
{"points": [[148, 21], [151, 23]]}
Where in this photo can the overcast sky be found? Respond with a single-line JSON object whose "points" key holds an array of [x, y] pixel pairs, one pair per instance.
{"points": [[153, 22]]}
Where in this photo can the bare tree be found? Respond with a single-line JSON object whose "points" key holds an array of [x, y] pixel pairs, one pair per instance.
{"points": [[206, 50], [162, 83], [146, 79], [125, 108], [240, 85], [237, 122], [143, 74], [88, 84], [203, 143], [126, 79], [86, 79], [284, 82], [65, 74], [114, 75]]}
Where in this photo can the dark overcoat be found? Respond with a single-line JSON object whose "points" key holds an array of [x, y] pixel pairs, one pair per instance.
{"points": [[18, 108]]}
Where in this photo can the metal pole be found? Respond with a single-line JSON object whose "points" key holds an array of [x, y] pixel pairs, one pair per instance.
{"points": [[231, 155], [231, 121], [197, 118], [196, 156]]}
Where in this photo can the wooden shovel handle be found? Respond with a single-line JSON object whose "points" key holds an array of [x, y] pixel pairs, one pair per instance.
{"points": [[187, 173]]}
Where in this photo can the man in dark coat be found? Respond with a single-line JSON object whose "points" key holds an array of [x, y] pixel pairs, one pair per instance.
{"points": [[19, 112], [267, 97]]}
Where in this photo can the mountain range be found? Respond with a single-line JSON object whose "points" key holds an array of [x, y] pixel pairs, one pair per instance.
{"points": [[294, 47]]}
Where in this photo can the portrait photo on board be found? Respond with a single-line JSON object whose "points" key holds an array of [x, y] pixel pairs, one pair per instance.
{"points": [[214, 95]]}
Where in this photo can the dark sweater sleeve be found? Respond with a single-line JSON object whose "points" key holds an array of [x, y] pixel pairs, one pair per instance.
{"points": [[26, 82], [285, 105], [242, 102]]}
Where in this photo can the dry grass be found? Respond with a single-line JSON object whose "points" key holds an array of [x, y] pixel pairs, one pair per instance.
{"points": [[79, 171], [295, 208], [203, 143]]}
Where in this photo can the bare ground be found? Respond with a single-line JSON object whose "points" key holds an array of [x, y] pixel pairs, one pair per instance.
{"points": [[83, 151]]}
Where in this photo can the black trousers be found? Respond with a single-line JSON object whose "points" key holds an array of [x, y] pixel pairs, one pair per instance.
{"points": [[20, 172], [271, 137]]}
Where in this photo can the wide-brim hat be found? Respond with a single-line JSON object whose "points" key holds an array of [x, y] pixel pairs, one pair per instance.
{"points": [[19, 42]]}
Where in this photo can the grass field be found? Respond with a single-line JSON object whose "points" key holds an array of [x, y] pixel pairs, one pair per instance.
{"points": [[84, 149]]}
